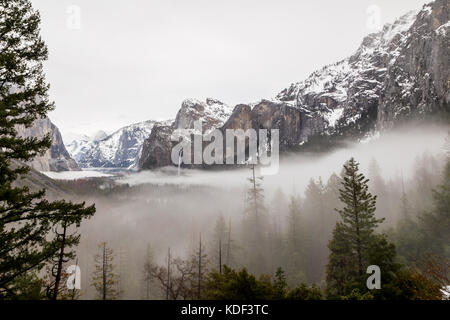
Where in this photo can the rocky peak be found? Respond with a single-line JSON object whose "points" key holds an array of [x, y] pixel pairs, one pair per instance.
{"points": [[213, 113]]}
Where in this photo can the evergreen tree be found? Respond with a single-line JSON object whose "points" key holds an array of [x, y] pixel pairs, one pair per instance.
{"points": [[280, 285], [254, 222], [340, 268], [105, 279], [358, 214], [354, 235], [65, 222], [26, 218]]}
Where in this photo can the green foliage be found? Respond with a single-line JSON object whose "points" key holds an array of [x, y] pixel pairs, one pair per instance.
{"points": [[409, 284], [26, 218], [357, 295], [280, 285], [303, 292], [234, 285], [355, 245], [27, 286]]}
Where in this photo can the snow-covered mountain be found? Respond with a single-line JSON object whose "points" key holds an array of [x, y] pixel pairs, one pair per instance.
{"points": [[398, 74], [213, 113], [156, 149], [120, 149]]}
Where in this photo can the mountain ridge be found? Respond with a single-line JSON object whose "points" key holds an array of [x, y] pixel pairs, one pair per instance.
{"points": [[398, 74]]}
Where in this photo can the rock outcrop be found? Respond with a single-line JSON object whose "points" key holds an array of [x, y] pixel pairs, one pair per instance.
{"points": [[56, 158], [418, 80]]}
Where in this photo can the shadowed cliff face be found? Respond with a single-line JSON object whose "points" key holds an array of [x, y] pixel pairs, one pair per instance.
{"points": [[396, 75], [54, 159], [418, 81]]}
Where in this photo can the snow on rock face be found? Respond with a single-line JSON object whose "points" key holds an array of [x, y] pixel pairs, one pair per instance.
{"points": [[417, 81], [118, 150], [213, 113], [341, 93], [396, 74]]}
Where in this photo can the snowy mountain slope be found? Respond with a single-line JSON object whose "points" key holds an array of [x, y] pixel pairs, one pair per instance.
{"points": [[340, 94], [120, 149], [213, 113], [156, 149], [398, 74]]}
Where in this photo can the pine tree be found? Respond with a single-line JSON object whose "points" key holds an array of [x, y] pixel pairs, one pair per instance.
{"points": [[66, 220], [254, 220], [26, 218], [255, 208], [280, 285], [358, 214], [340, 268], [105, 279], [354, 235]]}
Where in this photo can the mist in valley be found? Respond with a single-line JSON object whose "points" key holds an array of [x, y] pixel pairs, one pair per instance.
{"points": [[141, 215]]}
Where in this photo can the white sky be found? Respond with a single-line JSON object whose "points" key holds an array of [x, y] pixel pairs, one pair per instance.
{"points": [[137, 60]]}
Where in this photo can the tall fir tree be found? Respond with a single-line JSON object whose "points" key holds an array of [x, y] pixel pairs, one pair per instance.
{"points": [[26, 218], [255, 215], [354, 235]]}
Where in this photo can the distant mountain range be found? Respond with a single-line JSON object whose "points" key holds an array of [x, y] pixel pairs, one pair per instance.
{"points": [[120, 149], [398, 74]]}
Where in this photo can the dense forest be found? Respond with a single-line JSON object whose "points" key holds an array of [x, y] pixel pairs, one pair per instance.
{"points": [[172, 241]]}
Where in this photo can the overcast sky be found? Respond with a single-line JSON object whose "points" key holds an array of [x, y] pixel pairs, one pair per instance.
{"points": [[135, 60]]}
